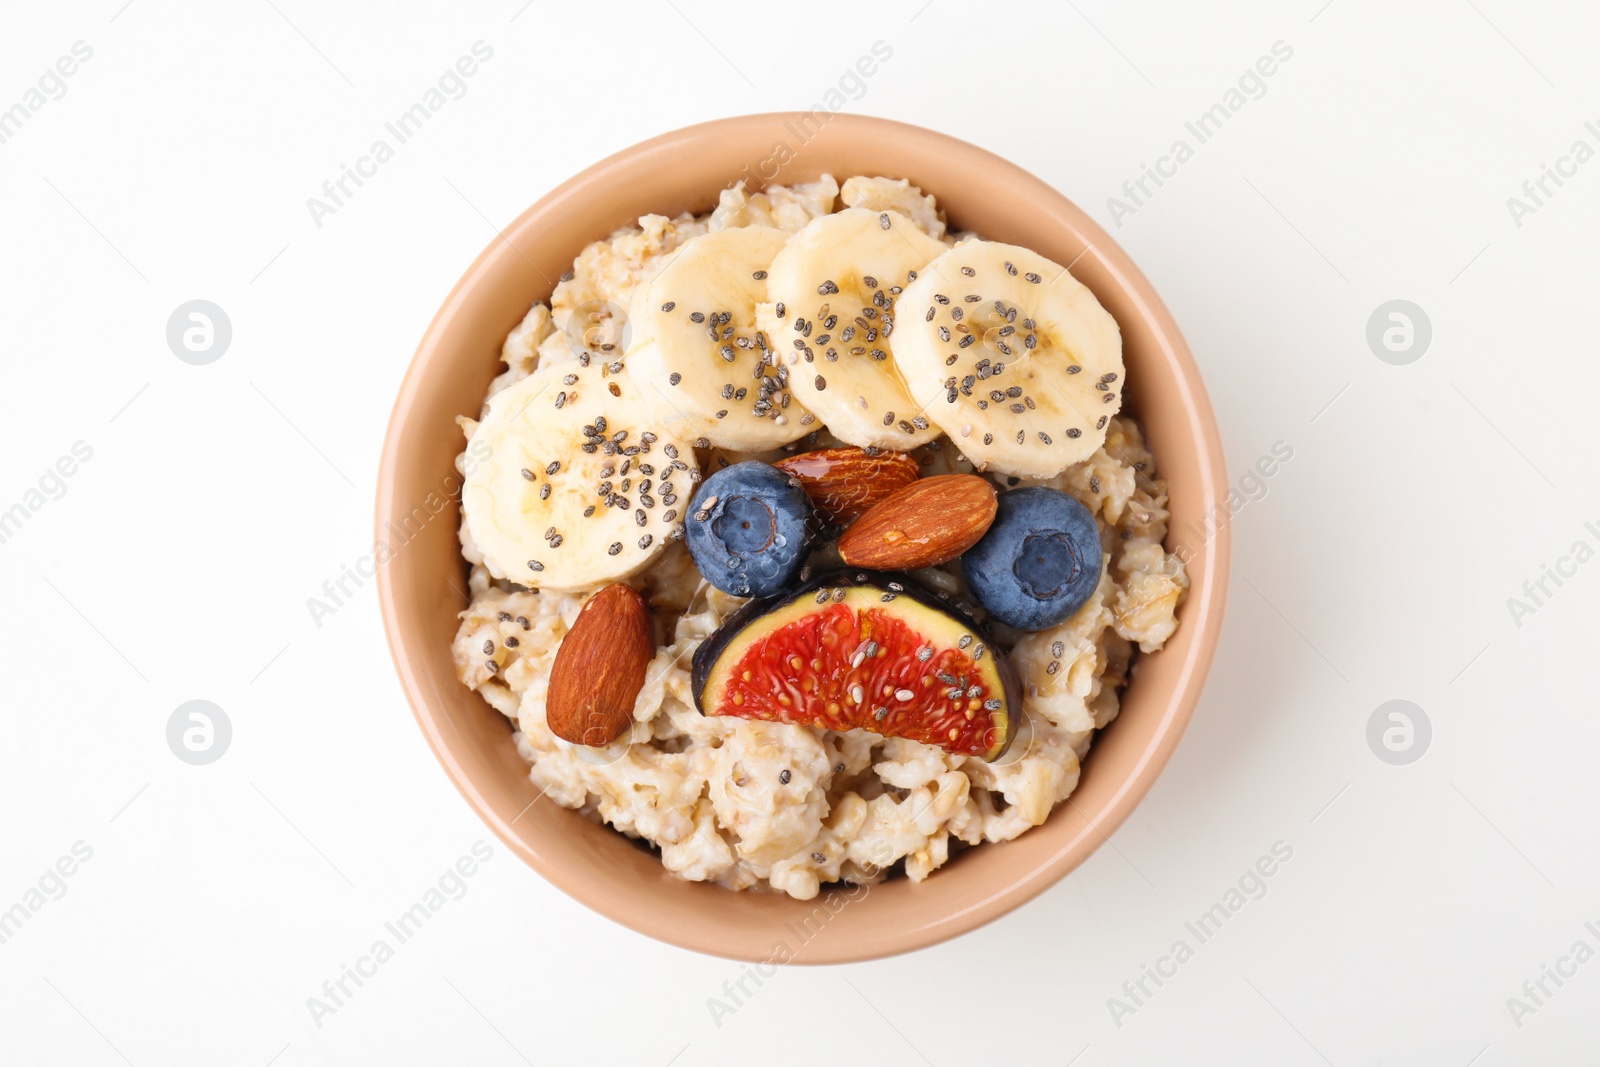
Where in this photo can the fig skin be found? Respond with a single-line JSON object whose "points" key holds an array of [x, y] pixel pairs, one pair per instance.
{"points": [[712, 648]]}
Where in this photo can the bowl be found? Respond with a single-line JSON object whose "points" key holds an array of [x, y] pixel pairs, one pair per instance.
{"points": [[422, 585]]}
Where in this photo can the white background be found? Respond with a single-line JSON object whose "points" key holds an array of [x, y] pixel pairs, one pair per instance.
{"points": [[179, 560]]}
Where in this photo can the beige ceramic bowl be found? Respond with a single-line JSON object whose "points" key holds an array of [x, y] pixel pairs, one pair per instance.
{"points": [[423, 586]]}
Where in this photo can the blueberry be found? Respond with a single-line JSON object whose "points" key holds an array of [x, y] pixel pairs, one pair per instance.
{"points": [[1040, 560], [750, 530]]}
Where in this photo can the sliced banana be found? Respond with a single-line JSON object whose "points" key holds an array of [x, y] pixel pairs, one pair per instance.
{"points": [[572, 482], [833, 291], [1013, 357], [696, 353]]}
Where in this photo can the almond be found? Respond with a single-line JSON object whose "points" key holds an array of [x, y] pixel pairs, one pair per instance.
{"points": [[600, 668], [844, 482], [930, 521]]}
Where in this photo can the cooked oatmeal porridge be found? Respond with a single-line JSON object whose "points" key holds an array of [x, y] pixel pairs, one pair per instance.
{"points": [[735, 795]]}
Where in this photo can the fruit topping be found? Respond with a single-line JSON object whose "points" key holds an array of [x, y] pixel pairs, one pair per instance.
{"points": [[571, 482], [1039, 562], [1011, 356], [830, 314], [873, 652], [600, 668], [844, 482], [696, 352], [931, 521], [750, 528]]}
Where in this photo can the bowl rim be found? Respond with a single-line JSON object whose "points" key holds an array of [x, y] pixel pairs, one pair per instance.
{"points": [[1203, 613]]}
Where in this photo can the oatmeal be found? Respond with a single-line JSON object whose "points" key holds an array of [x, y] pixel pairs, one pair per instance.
{"points": [[671, 361]]}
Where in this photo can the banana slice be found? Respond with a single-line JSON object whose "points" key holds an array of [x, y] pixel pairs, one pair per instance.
{"points": [[696, 354], [833, 291], [574, 482], [1014, 359]]}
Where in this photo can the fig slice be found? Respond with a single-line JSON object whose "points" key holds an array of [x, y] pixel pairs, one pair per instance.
{"points": [[850, 650]]}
